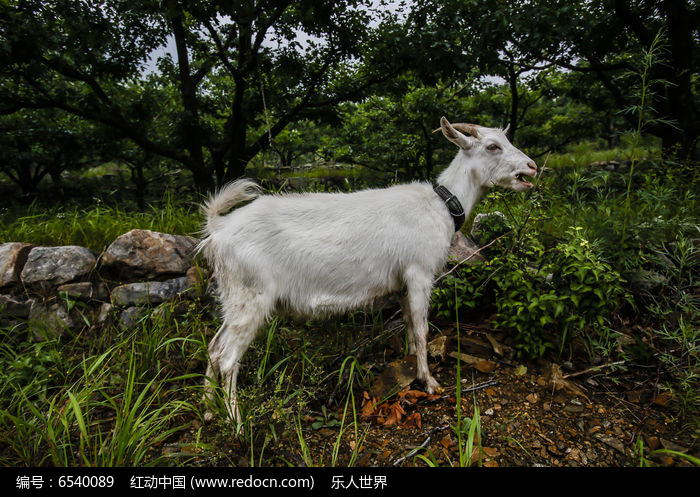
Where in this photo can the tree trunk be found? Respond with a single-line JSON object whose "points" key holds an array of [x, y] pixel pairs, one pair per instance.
{"points": [[681, 103], [236, 166], [139, 181], [679, 139], [514, 101], [428, 150], [191, 129], [28, 176]]}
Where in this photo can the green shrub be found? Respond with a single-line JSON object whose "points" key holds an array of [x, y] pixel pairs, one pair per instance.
{"points": [[572, 292], [541, 296]]}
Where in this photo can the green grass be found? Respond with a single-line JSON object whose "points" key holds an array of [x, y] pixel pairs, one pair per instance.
{"points": [[96, 227], [114, 399], [109, 397], [586, 152]]}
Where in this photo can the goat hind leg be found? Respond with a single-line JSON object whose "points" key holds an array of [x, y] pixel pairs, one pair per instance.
{"points": [[214, 353], [406, 311], [238, 337], [419, 285]]}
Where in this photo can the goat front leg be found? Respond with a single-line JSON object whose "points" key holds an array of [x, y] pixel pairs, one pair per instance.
{"points": [[417, 303]]}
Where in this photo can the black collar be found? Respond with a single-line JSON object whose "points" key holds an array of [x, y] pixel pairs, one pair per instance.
{"points": [[453, 205]]}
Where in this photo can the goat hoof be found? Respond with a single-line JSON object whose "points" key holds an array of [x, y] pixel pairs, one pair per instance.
{"points": [[433, 387]]}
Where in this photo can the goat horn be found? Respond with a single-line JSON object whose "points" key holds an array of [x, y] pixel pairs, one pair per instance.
{"points": [[470, 129]]}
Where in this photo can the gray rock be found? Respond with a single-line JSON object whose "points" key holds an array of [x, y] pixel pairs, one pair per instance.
{"points": [[489, 226], [13, 256], [197, 280], [463, 248], [130, 316], [104, 313], [13, 308], [147, 254], [609, 165], [57, 265], [148, 292], [85, 290], [50, 320]]}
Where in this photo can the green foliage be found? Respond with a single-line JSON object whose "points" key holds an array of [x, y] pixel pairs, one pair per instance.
{"points": [[392, 132], [490, 228], [571, 293], [326, 419], [673, 304], [599, 251], [541, 296], [214, 103], [96, 227], [36, 144], [107, 399], [63, 420]]}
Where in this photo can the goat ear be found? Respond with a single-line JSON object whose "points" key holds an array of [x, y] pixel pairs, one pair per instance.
{"points": [[453, 135]]}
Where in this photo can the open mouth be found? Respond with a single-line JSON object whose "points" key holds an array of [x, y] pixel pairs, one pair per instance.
{"points": [[521, 179]]}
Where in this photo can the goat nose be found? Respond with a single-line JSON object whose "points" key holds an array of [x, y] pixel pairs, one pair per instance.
{"points": [[531, 164]]}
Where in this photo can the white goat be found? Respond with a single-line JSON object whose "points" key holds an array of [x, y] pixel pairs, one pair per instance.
{"points": [[322, 253]]}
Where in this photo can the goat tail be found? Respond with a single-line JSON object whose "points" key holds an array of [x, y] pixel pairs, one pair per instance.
{"points": [[225, 199]]}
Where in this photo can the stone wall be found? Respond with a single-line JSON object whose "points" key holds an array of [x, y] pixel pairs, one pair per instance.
{"points": [[69, 287], [54, 289]]}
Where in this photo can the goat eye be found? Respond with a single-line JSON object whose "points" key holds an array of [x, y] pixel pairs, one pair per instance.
{"points": [[493, 147]]}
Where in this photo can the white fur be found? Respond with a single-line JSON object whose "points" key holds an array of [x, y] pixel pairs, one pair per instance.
{"points": [[323, 253]]}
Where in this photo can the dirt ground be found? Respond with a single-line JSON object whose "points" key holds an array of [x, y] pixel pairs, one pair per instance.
{"points": [[525, 421], [531, 414]]}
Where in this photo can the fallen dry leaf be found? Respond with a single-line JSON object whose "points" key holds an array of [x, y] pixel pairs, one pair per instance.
{"points": [[611, 441], [437, 347], [555, 377], [475, 455], [634, 396], [576, 455], [395, 377], [668, 445], [482, 365], [370, 406], [412, 396], [520, 370], [413, 421], [653, 442], [469, 359], [395, 414], [446, 441], [490, 451], [485, 366], [663, 399]]}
